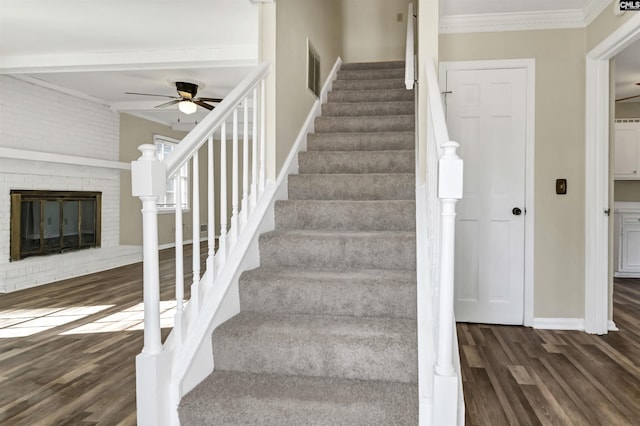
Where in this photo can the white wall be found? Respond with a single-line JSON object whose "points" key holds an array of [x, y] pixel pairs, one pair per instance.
{"points": [[297, 20], [559, 153], [371, 30], [33, 118]]}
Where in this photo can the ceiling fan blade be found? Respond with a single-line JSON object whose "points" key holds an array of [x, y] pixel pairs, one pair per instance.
{"points": [[202, 104], [630, 97], [149, 94], [217, 100], [166, 104]]}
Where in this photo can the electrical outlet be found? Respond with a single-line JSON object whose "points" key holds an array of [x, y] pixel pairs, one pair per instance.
{"points": [[399, 17]]}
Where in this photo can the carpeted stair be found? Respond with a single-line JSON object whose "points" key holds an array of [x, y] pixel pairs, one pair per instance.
{"points": [[327, 329]]}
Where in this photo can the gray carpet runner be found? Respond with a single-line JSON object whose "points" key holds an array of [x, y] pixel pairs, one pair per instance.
{"points": [[327, 329]]}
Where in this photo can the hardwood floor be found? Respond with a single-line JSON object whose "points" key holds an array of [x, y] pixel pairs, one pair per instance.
{"points": [[67, 350], [67, 357], [521, 376]]}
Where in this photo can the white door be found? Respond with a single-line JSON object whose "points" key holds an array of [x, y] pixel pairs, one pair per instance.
{"points": [[486, 114]]}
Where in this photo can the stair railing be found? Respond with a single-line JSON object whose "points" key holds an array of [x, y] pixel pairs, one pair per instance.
{"points": [[409, 63], [156, 403], [439, 179]]}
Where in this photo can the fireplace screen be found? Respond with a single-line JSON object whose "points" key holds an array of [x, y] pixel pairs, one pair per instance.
{"points": [[44, 222]]}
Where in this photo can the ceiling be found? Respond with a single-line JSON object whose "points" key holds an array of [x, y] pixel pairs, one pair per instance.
{"points": [[100, 49]]}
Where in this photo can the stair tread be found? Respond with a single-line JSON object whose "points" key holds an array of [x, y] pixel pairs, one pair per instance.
{"points": [[260, 323], [365, 274], [372, 348], [340, 234], [331, 175], [373, 64], [235, 398], [361, 141], [348, 292], [372, 80], [331, 162], [368, 84]]}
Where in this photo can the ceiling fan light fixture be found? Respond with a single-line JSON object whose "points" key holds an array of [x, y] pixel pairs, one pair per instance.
{"points": [[187, 107]]}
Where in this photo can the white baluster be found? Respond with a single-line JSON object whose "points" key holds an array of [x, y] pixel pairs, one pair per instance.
{"points": [[254, 152], [234, 181], [244, 211], [211, 211], [148, 183], [449, 192], [263, 134], [195, 215], [179, 239], [222, 242]]}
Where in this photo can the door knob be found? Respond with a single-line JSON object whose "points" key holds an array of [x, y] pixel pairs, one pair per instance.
{"points": [[516, 211]]}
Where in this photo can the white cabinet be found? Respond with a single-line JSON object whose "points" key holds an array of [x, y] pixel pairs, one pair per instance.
{"points": [[627, 149], [627, 240]]}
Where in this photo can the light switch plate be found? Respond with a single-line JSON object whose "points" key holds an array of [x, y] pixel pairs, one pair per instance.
{"points": [[561, 186]]}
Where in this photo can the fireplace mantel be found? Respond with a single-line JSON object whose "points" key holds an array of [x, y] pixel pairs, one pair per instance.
{"points": [[46, 157]]}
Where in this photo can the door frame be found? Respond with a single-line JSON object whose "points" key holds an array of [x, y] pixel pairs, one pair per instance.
{"points": [[528, 64], [598, 177]]}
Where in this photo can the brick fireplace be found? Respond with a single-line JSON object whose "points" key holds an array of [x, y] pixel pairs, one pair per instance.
{"points": [[46, 222]]}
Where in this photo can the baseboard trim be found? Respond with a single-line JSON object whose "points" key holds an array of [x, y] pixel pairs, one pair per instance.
{"points": [[626, 274], [559, 323]]}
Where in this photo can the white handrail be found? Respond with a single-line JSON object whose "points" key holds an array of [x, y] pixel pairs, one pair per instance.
{"points": [[409, 64], [160, 366], [198, 136], [436, 107], [439, 173]]}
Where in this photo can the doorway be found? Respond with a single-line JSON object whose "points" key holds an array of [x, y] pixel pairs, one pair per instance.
{"points": [[597, 175], [494, 241]]}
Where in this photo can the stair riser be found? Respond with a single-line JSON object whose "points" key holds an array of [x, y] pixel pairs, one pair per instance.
{"points": [[372, 65], [395, 83], [365, 124], [383, 73], [356, 162], [339, 251], [346, 215], [378, 351], [345, 296], [352, 187], [352, 109], [240, 399], [370, 95], [361, 141]]}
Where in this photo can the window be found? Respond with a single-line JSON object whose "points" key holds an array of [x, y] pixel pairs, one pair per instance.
{"points": [[164, 147]]}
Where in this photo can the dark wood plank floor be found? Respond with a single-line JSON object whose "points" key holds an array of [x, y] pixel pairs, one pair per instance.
{"points": [[67, 349], [521, 376], [67, 357]]}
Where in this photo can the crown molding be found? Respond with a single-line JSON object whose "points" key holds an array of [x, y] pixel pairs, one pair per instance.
{"points": [[519, 21]]}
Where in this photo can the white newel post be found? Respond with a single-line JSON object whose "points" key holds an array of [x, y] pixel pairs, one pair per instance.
{"points": [[148, 182], [450, 168]]}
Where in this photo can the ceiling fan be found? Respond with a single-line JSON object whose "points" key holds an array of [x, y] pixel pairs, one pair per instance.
{"points": [[187, 100], [629, 97]]}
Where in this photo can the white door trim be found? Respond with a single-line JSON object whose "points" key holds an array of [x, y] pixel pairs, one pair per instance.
{"points": [[597, 175], [529, 66]]}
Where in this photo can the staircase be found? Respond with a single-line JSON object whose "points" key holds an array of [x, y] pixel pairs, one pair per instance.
{"points": [[327, 328]]}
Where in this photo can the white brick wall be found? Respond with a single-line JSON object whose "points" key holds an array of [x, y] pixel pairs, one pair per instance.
{"points": [[40, 119], [34, 118]]}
